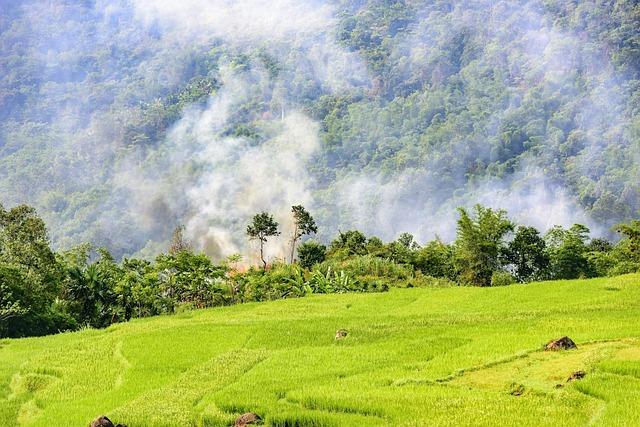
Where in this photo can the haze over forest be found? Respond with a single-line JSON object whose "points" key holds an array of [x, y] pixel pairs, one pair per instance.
{"points": [[120, 120]]}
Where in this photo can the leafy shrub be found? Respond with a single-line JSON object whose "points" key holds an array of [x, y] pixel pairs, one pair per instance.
{"points": [[311, 253], [624, 267], [368, 265], [280, 281], [502, 278]]}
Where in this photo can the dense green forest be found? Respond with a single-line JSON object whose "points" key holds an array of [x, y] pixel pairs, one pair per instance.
{"points": [[121, 120], [43, 291]]}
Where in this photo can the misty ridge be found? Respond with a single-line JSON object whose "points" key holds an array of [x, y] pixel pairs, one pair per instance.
{"points": [[122, 119]]}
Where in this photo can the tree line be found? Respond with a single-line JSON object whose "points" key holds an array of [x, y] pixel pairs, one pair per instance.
{"points": [[43, 291]]}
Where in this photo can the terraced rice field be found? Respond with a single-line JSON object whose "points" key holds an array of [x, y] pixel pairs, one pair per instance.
{"points": [[442, 356]]}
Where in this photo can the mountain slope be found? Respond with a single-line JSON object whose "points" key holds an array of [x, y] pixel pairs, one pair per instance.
{"points": [[120, 120]]}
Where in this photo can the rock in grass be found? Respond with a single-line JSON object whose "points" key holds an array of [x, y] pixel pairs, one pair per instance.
{"points": [[104, 422], [516, 389], [577, 375], [564, 343], [101, 422], [341, 333], [247, 419]]}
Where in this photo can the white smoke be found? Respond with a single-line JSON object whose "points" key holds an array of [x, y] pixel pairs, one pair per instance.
{"points": [[242, 22], [387, 208], [216, 183], [242, 180]]}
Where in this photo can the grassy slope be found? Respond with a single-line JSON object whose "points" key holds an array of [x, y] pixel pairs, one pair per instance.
{"points": [[412, 357]]}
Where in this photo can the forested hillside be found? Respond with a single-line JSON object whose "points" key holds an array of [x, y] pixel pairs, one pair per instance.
{"points": [[121, 119]]}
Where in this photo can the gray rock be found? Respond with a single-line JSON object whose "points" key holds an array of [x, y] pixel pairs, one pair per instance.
{"points": [[564, 343], [249, 418]]}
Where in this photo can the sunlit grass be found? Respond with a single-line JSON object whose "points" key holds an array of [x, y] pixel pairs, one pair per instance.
{"points": [[444, 356]]}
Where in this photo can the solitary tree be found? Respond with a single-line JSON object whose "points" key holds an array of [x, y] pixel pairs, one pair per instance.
{"points": [[303, 223], [261, 227]]}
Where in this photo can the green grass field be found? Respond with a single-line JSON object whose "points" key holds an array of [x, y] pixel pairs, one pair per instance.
{"points": [[441, 356]]}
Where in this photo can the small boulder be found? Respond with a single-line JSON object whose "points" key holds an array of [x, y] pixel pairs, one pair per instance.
{"points": [[564, 343], [341, 333], [104, 422], [247, 419], [577, 375], [516, 389], [101, 422]]}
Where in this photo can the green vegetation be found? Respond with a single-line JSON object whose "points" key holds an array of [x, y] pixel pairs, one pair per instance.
{"points": [[303, 224], [262, 226], [452, 356], [45, 292], [145, 145]]}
